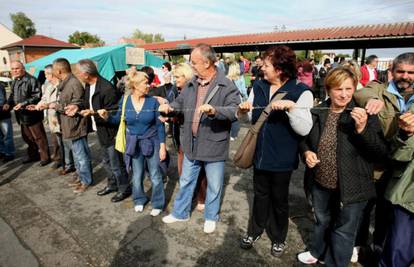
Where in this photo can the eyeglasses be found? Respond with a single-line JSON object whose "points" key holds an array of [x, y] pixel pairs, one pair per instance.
{"points": [[411, 72]]}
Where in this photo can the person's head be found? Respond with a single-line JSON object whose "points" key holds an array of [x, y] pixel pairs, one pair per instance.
{"points": [[61, 68], [336, 59], [202, 61], [150, 73], [279, 64], [403, 71], [234, 72], [49, 74], [227, 60], [259, 61], [17, 69], [133, 68], [87, 71], [306, 66], [372, 61], [327, 63], [166, 66], [341, 60], [137, 82], [352, 64], [340, 85], [182, 74], [312, 62]]}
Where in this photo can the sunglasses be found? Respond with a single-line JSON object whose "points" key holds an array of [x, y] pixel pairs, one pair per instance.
{"points": [[411, 72]]}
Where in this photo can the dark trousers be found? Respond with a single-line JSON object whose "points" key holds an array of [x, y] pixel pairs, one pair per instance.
{"points": [[383, 216], [55, 153], [35, 137], [115, 167], [335, 227], [399, 246], [270, 205]]}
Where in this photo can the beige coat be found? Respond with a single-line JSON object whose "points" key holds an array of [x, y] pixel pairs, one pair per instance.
{"points": [[50, 96]]}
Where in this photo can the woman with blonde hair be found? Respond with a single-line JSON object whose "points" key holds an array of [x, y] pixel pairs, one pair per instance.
{"points": [[145, 141]]}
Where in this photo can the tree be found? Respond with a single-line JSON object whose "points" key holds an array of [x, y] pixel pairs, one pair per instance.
{"points": [[147, 37], [22, 25], [83, 38]]}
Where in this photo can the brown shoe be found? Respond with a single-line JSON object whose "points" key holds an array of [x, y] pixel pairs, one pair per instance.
{"points": [[66, 171], [81, 188], [74, 181]]}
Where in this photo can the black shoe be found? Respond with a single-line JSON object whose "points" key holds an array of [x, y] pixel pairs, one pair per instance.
{"points": [[44, 162], [7, 158], [277, 249], [28, 160], [56, 165], [119, 197], [248, 241], [105, 191]]}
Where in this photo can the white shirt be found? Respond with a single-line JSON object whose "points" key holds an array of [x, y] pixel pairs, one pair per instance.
{"points": [[91, 93], [371, 73]]}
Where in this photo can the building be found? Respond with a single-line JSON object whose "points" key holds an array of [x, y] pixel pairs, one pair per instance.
{"points": [[6, 37], [134, 41], [35, 47]]}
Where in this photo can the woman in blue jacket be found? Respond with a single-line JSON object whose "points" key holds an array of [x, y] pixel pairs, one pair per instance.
{"points": [[145, 136]]}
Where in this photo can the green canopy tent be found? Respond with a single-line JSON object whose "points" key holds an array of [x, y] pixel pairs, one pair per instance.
{"points": [[109, 59]]}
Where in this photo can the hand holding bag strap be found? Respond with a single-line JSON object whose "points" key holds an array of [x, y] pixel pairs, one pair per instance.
{"points": [[265, 113]]}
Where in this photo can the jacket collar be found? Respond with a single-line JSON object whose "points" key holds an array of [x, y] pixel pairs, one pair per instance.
{"points": [[264, 86], [220, 79]]}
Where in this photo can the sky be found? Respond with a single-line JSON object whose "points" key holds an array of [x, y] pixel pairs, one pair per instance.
{"points": [[111, 20]]}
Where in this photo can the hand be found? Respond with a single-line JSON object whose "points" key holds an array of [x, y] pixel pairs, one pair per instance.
{"points": [[71, 109], [245, 107], [31, 107], [311, 159], [208, 109], [52, 105], [374, 106], [86, 112], [283, 105], [360, 117], [6, 107], [163, 119], [39, 106], [165, 108], [163, 153], [18, 106], [161, 100], [406, 123], [103, 113]]}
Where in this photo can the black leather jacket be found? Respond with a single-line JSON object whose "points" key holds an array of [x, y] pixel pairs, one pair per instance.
{"points": [[26, 90]]}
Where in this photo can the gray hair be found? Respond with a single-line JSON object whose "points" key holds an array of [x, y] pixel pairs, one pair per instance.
{"points": [[207, 52], [18, 62], [88, 66], [406, 58], [48, 68]]}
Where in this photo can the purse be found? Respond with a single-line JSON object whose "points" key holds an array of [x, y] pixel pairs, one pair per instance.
{"points": [[120, 139], [245, 154]]}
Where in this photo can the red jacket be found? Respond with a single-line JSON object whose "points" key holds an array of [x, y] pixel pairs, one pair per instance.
{"points": [[365, 75]]}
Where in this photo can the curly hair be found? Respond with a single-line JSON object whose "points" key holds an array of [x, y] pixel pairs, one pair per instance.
{"points": [[283, 58]]}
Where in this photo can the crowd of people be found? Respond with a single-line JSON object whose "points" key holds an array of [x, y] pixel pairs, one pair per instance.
{"points": [[356, 140]]}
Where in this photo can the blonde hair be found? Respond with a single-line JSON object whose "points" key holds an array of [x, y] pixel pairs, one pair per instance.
{"points": [[234, 72], [352, 64], [135, 78], [338, 75], [183, 69]]}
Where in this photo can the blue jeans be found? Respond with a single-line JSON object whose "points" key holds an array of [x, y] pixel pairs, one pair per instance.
{"points": [[235, 128], [138, 171], [6, 138], [341, 221], [188, 181], [82, 157], [68, 155], [115, 167]]}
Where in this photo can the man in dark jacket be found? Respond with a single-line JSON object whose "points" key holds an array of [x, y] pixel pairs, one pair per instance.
{"points": [[73, 126], [26, 91], [101, 94], [209, 103], [6, 129]]}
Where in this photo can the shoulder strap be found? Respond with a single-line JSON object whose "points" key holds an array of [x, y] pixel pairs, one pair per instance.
{"points": [[123, 107], [265, 113], [212, 93]]}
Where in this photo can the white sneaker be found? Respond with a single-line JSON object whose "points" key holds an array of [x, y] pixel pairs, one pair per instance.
{"points": [[209, 226], [307, 258], [139, 208], [355, 252], [155, 212], [171, 219], [232, 138]]}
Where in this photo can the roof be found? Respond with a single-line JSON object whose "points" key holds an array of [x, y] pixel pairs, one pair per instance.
{"points": [[307, 35], [7, 36], [40, 41], [109, 59], [134, 41]]}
